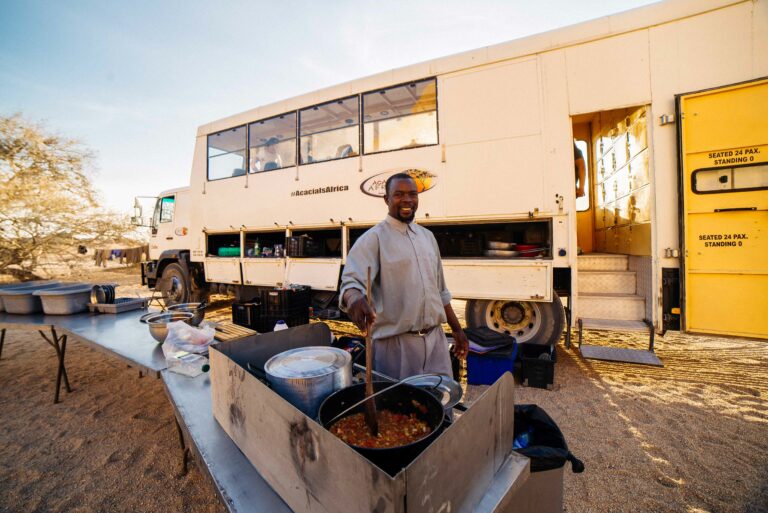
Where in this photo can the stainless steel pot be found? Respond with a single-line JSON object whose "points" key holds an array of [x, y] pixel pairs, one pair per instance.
{"points": [[305, 376], [158, 325], [196, 309]]}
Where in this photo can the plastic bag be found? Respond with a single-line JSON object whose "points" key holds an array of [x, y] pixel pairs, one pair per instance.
{"points": [[182, 336], [538, 437]]}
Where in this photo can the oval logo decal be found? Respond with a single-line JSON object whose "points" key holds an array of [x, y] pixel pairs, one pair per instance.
{"points": [[374, 185]]}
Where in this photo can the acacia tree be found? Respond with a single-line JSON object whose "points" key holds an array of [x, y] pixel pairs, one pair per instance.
{"points": [[48, 205]]}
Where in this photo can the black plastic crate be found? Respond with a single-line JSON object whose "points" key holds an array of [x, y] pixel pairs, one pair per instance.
{"points": [[272, 305], [252, 315], [301, 246], [537, 365], [246, 314], [290, 301], [471, 247]]}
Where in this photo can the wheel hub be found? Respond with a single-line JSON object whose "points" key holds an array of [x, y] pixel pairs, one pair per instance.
{"points": [[518, 319], [175, 289]]}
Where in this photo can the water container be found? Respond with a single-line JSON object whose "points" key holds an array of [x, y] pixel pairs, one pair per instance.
{"points": [[188, 364]]}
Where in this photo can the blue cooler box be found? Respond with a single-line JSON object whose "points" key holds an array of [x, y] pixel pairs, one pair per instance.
{"points": [[486, 368]]}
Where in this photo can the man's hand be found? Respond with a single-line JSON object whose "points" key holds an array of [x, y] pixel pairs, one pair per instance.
{"points": [[360, 311], [580, 192], [460, 344]]}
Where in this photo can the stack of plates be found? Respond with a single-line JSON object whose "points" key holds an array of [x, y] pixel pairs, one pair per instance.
{"points": [[500, 249]]}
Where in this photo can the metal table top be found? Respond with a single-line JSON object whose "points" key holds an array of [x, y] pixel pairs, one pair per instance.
{"points": [[119, 334], [238, 484]]}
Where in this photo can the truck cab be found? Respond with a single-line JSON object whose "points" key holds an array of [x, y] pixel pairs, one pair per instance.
{"points": [[168, 267]]}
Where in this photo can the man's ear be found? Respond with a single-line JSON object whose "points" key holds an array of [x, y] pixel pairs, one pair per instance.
{"points": [[386, 199]]}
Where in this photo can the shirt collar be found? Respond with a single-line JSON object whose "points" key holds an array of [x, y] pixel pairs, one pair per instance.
{"points": [[399, 225]]}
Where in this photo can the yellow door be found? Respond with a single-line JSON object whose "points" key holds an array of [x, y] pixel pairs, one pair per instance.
{"points": [[724, 152]]}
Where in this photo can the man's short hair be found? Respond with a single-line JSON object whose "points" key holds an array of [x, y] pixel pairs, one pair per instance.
{"points": [[396, 176]]}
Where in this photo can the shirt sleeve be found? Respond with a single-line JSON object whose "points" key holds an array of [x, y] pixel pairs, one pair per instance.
{"points": [[364, 254], [445, 294]]}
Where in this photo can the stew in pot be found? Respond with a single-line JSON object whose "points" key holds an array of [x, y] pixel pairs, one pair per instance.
{"points": [[395, 430]]}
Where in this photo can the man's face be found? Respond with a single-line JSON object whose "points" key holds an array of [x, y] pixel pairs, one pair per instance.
{"points": [[402, 199]]}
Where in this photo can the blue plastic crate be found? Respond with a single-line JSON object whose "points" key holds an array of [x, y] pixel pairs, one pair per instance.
{"points": [[485, 369]]}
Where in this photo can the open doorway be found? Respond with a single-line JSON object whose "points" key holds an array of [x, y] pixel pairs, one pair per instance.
{"points": [[613, 218]]}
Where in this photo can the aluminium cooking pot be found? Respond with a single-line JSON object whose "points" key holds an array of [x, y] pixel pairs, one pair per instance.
{"points": [[197, 309], [402, 398], [305, 376]]}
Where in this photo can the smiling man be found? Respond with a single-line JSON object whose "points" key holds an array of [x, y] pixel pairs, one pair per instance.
{"points": [[410, 298]]}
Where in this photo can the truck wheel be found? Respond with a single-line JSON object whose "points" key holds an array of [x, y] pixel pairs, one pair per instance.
{"points": [[178, 286], [527, 321]]}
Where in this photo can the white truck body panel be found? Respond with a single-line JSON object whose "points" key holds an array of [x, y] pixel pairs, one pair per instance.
{"points": [[505, 152]]}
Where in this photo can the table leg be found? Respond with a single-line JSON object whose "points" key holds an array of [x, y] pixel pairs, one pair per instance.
{"points": [[61, 350], [2, 341], [184, 448]]}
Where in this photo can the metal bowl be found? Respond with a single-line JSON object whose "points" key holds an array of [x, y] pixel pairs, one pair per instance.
{"points": [[158, 326], [492, 244], [197, 309], [500, 253]]}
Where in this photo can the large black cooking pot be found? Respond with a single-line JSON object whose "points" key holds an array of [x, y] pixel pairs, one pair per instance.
{"points": [[399, 399]]}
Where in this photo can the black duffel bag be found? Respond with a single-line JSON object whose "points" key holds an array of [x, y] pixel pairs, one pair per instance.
{"points": [[539, 438]]}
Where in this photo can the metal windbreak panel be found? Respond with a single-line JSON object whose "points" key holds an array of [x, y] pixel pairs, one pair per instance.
{"points": [[522, 280], [724, 132], [476, 446]]}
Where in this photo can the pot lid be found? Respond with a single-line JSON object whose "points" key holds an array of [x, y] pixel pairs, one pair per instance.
{"points": [[307, 362], [446, 390]]}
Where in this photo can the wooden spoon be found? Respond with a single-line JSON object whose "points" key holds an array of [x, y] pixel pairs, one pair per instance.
{"points": [[370, 404]]}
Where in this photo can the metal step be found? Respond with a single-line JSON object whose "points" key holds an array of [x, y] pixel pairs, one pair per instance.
{"points": [[613, 325], [620, 354], [602, 262], [611, 306], [613, 282]]}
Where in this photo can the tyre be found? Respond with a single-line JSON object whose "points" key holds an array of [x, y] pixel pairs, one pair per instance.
{"points": [[527, 321], [177, 288], [199, 290]]}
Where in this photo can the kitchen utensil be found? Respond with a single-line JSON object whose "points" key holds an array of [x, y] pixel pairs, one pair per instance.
{"points": [[370, 405], [492, 244], [402, 398], [500, 253], [65, 300], [197, 309], [24, 284], [445, 390], [158, 325], [103, 294], [21, 300], [147, 316], [529, 250], [305, 376]]}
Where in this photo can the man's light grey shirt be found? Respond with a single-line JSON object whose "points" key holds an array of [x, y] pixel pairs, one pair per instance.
{"points": [[407, 281]]}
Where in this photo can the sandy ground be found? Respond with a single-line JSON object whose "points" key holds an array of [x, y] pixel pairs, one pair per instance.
{"points": [[690, 437]]}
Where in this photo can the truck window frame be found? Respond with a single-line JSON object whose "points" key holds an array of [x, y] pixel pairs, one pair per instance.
{"points": [[299, 135], [208, 156], [724, 168], [380, 89]]}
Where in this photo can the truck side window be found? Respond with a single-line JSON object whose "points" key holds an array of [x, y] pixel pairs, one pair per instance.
{"points": [[166, 209], [330, 131], [400, 117], [226, 153], [272, 143]]}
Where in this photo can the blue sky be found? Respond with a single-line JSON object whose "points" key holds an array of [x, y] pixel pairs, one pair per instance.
{"points": [[134, 80]]}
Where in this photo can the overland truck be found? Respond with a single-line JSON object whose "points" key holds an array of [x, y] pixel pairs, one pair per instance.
{"points": [[667, 104]]}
